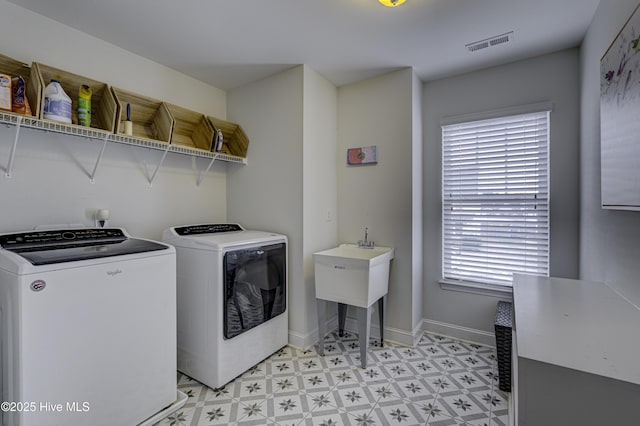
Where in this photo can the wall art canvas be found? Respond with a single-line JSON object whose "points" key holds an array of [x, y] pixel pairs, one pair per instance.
{"points": [[620, 119], [362, 155]]}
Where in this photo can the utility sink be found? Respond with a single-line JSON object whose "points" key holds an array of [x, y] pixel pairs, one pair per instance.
{"points": [[352, 275]]}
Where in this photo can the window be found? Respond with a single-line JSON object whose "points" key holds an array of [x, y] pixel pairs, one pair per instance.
{"points": [[495, 198]]}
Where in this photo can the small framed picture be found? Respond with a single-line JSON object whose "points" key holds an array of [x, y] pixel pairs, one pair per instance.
{"points": [[362, 156]]}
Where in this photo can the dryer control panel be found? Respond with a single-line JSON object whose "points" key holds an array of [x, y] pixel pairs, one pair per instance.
{"points": [[212, 228]]}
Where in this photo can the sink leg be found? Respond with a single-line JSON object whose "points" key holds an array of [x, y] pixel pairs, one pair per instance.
{"points": [[342, 316], [364, 321], [381, 318], [322, 324]]}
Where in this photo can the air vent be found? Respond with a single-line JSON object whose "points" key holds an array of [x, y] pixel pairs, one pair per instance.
{"points": [[477, 46], [490, 42]]}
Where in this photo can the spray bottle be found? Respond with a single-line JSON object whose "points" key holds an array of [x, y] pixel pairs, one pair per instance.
{"points": [[84, 106]]}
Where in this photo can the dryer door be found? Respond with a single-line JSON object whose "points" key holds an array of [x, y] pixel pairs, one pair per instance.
{"points": [[255, 287]]}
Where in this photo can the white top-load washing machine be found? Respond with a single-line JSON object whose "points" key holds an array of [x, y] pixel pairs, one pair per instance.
{"points": [[232, 299], [88, 320]]}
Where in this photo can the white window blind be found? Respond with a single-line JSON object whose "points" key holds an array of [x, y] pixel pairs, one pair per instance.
{"points": [[495, 198]]}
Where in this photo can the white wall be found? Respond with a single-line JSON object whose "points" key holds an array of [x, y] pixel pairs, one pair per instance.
{"points": [[417, 205], [50, 182], [29, 37], [319, 179], [267, 193], [553, 77], [379, 111], [297, 178], [290, 184], [609, 240], [50, 185]]}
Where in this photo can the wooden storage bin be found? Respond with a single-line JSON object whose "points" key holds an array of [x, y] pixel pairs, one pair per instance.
{"points": [[33, 84], [190, 128], [103, 104], [151, 118], [235, 141]]}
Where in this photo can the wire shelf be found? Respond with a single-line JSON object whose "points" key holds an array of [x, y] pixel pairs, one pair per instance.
{"points": [[87, 132]]}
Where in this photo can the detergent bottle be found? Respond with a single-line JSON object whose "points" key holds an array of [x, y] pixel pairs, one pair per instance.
{"points": [[57, 105]]}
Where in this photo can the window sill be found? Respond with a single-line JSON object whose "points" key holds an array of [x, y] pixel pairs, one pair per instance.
{"points": [[499, 291]]}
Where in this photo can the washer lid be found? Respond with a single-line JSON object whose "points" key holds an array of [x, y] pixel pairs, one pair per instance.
{"points": [[58, 246]]}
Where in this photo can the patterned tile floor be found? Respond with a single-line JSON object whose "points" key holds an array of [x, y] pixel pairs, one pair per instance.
{"points": [[440, 382]]}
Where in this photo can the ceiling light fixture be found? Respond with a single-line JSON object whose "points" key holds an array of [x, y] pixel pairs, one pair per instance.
{"points": [[392, 3]]}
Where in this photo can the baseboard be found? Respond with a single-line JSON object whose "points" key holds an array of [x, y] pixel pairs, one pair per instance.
{"points": [[512, 409], [297, 340], [391, 334], [403, 337], [398, 336], [307, 341], [466, 334]]}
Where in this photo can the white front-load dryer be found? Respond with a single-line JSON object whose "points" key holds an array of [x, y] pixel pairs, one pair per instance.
{"points": [[232, 299]]}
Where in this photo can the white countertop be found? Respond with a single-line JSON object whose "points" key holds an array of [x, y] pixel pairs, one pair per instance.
{"points": [[582, 325]]}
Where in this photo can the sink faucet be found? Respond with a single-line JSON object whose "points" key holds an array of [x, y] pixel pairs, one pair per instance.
{"points": [[366, 243]]}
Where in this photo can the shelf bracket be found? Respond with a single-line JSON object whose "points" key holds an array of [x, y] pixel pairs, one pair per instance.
{"points": [[155, 172], [95, 168], [201, 174], [12, 154]]}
